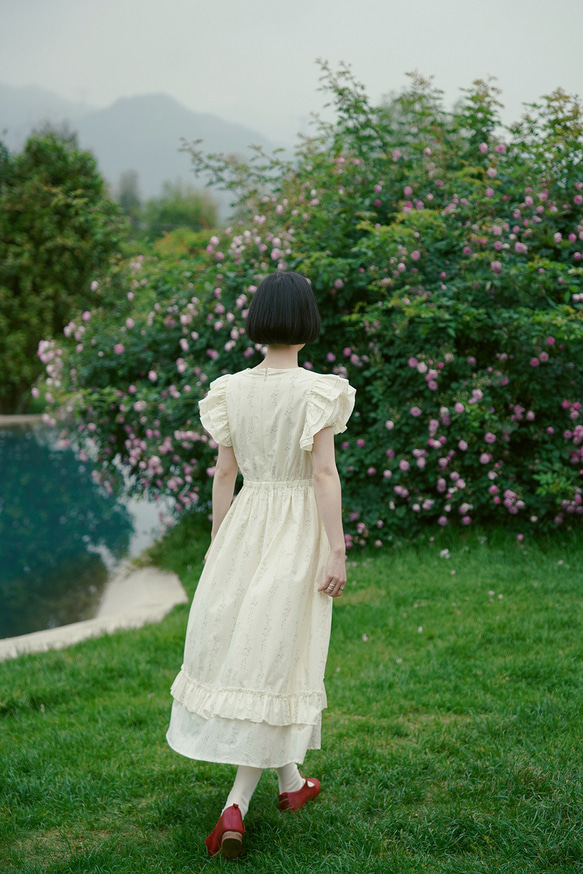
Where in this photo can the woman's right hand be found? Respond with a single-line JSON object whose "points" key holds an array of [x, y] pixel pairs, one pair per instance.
{"points": [[335, 577]]}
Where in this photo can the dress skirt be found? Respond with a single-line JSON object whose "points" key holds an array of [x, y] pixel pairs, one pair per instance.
{"points": [[251, 687]]}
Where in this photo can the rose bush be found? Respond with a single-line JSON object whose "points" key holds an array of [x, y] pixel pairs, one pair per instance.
{"points": [[446, 260]]}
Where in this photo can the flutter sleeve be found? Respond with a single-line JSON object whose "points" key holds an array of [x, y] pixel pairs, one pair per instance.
{"points": [[330, 403], [213, 411]]}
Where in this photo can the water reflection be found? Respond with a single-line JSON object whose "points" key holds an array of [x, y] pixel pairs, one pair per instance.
{"points": [[56, 525]]}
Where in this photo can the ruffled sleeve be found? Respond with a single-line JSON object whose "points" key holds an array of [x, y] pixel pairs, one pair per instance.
{"points": [[330, 403], [213, 411]]}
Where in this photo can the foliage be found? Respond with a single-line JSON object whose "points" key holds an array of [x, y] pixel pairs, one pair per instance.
{"points": [[58, 231], [181, 243], [452, 741], [128, 197], [179, 206], [447, 264]]}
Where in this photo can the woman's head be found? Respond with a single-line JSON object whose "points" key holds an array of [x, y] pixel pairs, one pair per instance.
{"points": [[283, 311]]}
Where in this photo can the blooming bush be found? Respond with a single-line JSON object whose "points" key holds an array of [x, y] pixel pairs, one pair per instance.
{"points": [[447, 265]]}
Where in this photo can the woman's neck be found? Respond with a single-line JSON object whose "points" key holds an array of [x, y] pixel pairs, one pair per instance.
{"points": [[281, 357]]}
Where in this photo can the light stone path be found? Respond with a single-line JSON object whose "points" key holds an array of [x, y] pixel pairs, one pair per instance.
{"points": [[132, 598], [24, 419]]}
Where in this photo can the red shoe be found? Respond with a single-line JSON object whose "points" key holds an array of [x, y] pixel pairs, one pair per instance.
{"points": [[226, 838], [295, 800]]}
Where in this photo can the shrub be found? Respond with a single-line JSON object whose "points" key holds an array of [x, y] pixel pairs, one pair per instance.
{"points": [[446, 261], [178, 207]]}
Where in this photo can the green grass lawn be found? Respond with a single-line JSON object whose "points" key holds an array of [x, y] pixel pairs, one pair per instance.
{"points": [[453, 741]]}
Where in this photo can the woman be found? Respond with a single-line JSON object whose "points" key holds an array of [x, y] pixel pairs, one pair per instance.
{"points": [[251, 691]]}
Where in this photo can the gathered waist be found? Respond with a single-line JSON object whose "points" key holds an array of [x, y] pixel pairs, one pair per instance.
{"points": [[278, 484]]}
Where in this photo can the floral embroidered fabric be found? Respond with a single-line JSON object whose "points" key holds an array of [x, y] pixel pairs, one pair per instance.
{"points": [[251, 687]]}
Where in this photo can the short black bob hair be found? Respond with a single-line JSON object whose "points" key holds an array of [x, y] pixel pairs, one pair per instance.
{"points": [[283, 311]]}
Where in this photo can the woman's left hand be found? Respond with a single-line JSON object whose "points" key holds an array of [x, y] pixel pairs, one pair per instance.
{"points": [[335, 578]]}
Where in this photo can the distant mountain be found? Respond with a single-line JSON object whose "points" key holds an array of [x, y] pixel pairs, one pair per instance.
{"points": [[144, 134], [141, 133], [22, 109]]}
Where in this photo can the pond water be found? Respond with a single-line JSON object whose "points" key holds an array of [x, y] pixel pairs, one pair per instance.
{"points": [[61, 536]]}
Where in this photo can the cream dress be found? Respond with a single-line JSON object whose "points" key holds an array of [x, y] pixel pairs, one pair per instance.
{"points": [[251, 688]]}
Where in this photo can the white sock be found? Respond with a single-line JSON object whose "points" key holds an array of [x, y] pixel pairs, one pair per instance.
{"points": [[290, 779], [244, 786]]}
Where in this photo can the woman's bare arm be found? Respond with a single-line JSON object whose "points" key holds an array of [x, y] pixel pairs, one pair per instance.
{"points": [[329, 500], [223, 486]]}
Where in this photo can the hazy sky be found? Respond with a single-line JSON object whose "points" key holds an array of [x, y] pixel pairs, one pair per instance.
{"points": [[254, 62]]}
